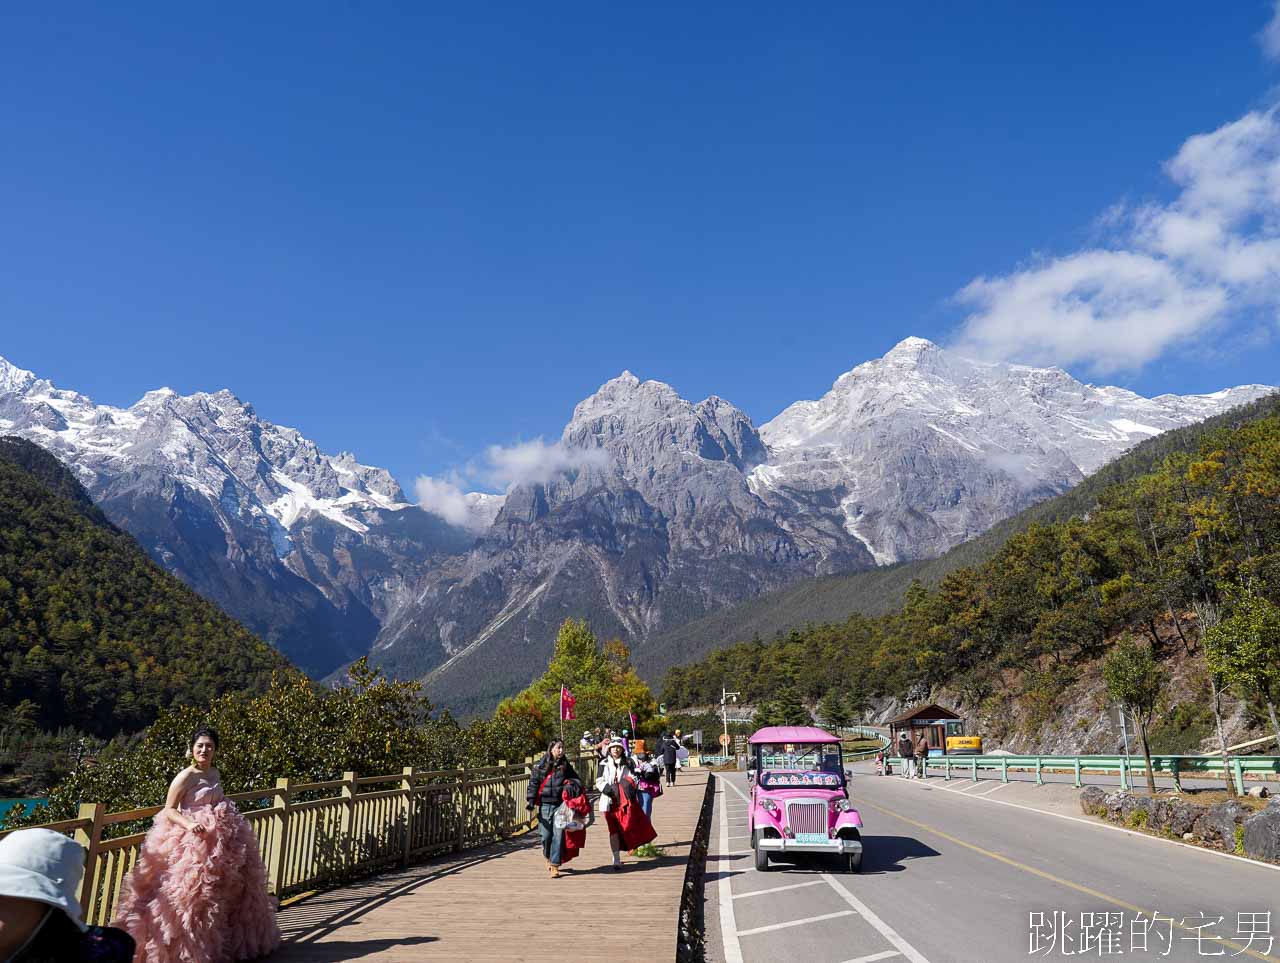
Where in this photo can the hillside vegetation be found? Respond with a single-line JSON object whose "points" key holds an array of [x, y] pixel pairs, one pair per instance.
{"points": [[93, 634], [815, 602], [1184, 522]]}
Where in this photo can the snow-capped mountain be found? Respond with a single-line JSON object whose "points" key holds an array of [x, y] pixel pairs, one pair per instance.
{"points": [[662, 509], [921, 450], [673, 509], [299, 545]]}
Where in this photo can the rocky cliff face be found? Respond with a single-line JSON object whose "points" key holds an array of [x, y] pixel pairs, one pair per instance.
{"points": [[302, 547]]}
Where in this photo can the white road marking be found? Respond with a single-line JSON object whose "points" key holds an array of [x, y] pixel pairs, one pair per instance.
{"points": [[875, 956], [887, 931], [728, 924], [782, 926], [999, 785], [778, 889]]}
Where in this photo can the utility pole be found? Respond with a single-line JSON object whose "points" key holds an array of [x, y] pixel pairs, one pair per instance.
{"points": [[725, 696]]}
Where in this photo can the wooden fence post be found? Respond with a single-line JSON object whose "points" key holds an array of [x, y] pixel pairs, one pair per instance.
{"points": [[347, 822], [279, 836], [506, 827], [462, 810], [89, 839], [407, 809]]}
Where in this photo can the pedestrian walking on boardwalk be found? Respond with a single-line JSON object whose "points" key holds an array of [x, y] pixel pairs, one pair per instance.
{"points": [[670, 752], [546, 785], [908, 754], [199, 891], [616, 780], [648, 782]]}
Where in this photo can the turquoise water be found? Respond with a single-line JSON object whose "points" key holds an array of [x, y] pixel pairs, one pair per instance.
{"points": [[26, 804]]}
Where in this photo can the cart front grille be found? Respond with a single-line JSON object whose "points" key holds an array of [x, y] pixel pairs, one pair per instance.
{"points": [[807, 817]]}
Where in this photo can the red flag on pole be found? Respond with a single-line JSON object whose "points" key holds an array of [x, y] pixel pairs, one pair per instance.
{"points": [[567, 702], [633, 721]]}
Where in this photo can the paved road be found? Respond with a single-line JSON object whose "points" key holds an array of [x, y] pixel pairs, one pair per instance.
{"points": [[948, 877]]}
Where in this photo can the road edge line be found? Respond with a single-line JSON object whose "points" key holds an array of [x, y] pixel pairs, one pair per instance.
{"points": [[728, 921]]}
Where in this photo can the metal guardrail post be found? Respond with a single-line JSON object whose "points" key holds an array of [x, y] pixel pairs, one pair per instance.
{"points": [[1174, 766], [89, 839], [1238, 766], [946, 762], [1004, 769], [407, 813], [975, 768], [1039, 771], [279, 836], [1078, 783], [1124, 774]]}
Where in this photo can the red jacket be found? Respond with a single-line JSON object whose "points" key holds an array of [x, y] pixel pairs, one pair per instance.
{"points": [[575, 839]]}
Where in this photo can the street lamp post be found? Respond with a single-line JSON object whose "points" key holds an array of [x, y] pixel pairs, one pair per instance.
{"points": [[725, 696]]}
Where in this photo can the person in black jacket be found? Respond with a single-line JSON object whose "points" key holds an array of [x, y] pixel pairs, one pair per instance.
{"points": [[669, 750], [546, 783]]}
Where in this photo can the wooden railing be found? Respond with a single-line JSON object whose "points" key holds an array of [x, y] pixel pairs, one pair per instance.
{"points": [[312, 835]]}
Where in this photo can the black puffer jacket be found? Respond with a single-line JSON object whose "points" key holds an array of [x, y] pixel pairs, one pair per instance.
{"points": [[552, 787]]}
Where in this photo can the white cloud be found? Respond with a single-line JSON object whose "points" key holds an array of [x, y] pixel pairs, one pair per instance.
{"points": [[445, 498], [1171, 274], [537, 462], [1270, 36], [529, 462]]}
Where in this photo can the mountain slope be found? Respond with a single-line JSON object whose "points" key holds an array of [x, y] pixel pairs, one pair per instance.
{"points": [[834, 599], [670, 510], [92, 632], [301, 546]]}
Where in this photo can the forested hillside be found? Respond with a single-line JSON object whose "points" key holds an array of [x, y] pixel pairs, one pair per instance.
{"points": [[1163, 533], [93, 634], [878, 592]]}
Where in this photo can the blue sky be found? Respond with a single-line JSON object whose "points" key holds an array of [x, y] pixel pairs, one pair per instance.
{"points": [[414, 230]]}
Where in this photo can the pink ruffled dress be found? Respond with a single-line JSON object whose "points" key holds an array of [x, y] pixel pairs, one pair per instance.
{"points": [[200, 897]]}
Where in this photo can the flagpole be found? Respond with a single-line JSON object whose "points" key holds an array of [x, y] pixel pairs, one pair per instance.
{"points": [[562, 712]]}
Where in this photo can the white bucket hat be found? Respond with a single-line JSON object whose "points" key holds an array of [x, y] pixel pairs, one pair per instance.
{"points": [[41, 865]]}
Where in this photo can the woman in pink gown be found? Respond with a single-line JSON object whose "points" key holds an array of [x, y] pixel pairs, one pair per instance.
{"points": [[198, 893]]}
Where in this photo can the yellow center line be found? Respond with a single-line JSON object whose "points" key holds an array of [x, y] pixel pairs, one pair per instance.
{"points": [[1063, 882]]}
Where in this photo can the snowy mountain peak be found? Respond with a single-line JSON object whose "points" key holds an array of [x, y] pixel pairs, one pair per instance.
{"points": [[910, 350]]}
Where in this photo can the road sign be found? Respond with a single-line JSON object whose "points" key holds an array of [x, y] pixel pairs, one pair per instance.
{"points": [[739, 744], [725, 739], [696, 737]]}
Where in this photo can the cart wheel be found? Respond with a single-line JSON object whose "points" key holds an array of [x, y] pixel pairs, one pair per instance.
{"points": [[762, 856], [854, 862]]}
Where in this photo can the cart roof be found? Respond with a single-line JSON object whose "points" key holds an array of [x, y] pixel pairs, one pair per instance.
{"points": [[792, 734]]}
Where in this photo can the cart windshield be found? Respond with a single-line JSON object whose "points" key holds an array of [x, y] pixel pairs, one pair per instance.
{"points": [[802, 756]]}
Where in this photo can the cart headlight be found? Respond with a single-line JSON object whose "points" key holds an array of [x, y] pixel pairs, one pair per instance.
{"points": [[841, 805], [769, 806]]}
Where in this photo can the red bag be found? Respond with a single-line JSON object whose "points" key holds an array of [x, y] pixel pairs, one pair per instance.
{"points": [[634, 827], [575, 839]]}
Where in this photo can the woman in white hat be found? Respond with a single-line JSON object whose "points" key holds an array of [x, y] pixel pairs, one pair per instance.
{"points": [[199, 891], [615, 773], [40, 922]]}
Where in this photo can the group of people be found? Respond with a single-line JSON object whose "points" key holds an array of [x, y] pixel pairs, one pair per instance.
{"points": [[630, 778], [914, 754], [197, 894]]}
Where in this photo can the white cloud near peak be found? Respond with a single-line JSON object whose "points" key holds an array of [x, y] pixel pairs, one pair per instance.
{"points": [[1270, 35], [505, 467], [1168, 274]]}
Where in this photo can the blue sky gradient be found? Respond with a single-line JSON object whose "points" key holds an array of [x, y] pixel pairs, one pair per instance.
{"points": [[412, 231]]}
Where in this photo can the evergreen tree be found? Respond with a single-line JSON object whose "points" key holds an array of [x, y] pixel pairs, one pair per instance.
{"points": [[1135, 680]]}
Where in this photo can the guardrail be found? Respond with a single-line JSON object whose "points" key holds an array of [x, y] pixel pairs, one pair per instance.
{"points": [[1238, 767], [315, 834]]}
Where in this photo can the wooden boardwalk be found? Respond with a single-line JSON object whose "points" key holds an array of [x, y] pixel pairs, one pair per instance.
{"points": [[497, 903]]}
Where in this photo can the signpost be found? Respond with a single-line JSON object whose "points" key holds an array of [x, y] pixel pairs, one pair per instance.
{"points": [[725, 739]]}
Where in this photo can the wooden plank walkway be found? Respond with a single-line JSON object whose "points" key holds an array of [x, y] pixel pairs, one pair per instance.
{"points": [[498, 903]]}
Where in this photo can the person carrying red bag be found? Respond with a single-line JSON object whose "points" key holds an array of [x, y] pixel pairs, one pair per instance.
{"points": [[573, 817], [629, 827]]}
